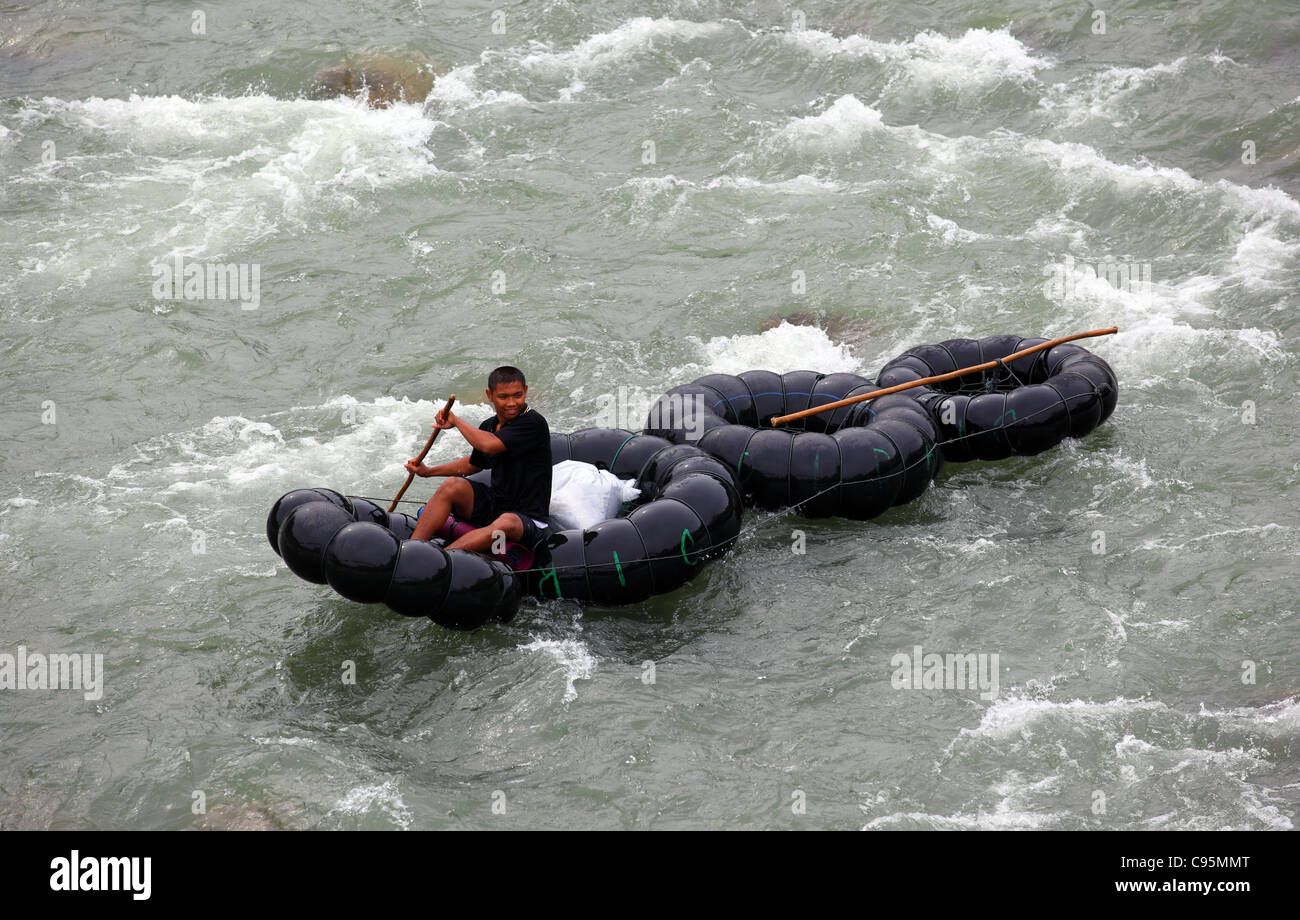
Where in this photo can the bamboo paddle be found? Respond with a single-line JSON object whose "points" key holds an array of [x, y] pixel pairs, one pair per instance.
{"points": [[410, 477], [938, 378]]}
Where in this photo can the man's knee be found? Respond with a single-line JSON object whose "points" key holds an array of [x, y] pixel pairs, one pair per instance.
{"points": [[455, 487], [510, 524]]}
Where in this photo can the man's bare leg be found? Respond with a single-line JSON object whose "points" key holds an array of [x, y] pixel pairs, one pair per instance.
{"points": [[455, 494], [480, 541]]}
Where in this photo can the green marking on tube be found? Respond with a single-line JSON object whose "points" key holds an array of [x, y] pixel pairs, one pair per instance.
{"points": [[618, 565], [686, 535], [877, 479], [552, 576], [614, 459], [740, 461], [817, 466], [1010, 412]]}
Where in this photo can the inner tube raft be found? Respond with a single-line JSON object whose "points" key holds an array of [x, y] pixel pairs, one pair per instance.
{"points": [[858, 461], [689, 511]]}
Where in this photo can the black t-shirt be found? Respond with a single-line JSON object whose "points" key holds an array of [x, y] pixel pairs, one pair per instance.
{"points": [[521, 474]]}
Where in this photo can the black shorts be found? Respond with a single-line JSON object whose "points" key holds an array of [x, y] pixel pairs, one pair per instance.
{"points": [[483, 513]]}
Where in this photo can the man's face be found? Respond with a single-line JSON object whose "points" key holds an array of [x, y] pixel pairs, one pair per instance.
{"points": [[508, 399]]}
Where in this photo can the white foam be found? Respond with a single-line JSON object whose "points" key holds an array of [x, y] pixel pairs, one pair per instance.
{"points": [[1233, 532], [597, 54], [1071, 233], [950, 232], [1134, 470], [1088, 165], [822, 44], [657, 197], [1129, 745], [459, 90], [645, 186], [978, 57], [365, 441], [171, 525], [1154, 745], [1018, 717], [1276, 721], [1073, 157], [802, 184], [843, 124], [1015, 717], [1171, 625], [1156, 336], [1163, 325], [651, 194], [1100, 95], [572, 655], [223, 172], [606, 48], [1002, 817], [783, 348], [1261, 257], [384, 796]]}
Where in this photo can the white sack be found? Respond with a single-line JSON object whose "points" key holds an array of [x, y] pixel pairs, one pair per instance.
{"points": [[582, 495]]}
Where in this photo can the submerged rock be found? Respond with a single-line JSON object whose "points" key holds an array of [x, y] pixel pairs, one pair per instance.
{"points": [[380, 79], [246, 817], [847, 329], [29, 810]]}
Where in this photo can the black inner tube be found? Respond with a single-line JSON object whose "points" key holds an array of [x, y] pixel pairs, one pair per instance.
{"points": [[707, 449], [689, 511], [857, 461]]}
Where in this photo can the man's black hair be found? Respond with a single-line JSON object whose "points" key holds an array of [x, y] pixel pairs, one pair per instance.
{"points": [[505, 374]]}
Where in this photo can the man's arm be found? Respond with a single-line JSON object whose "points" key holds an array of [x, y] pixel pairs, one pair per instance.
{"points": [[478, 439], [460, 467]]}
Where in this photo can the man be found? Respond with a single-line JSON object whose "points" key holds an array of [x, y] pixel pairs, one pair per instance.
{"points": [[516, 445]]}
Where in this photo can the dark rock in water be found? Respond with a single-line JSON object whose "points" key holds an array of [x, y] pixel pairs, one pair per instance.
{"points": [[847, 329], [380, 79], [237, 818], [28, 810]]}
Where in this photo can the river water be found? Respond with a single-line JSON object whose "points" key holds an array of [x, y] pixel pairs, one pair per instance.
{"points": [[619, 197]]}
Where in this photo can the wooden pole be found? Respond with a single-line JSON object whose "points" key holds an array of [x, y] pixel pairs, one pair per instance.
{"points": [[939, 378], [420, 459]]}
